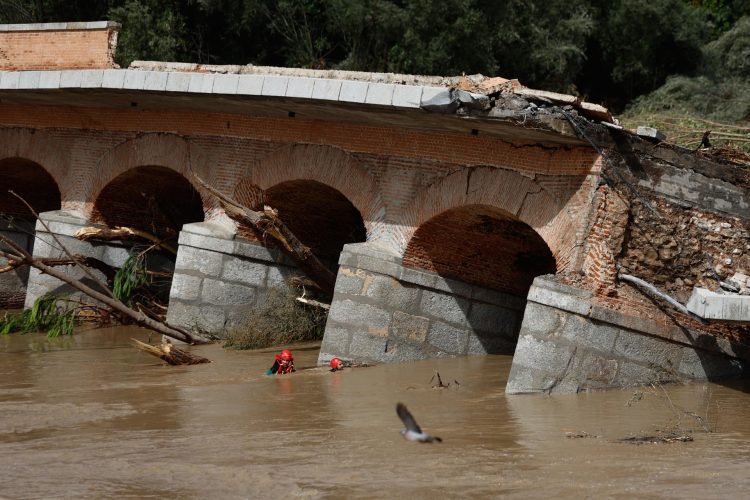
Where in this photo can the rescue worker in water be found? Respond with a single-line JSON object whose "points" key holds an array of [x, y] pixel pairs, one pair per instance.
{"points": [[284, 363]]}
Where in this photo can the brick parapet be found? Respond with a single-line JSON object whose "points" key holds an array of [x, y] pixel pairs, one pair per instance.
{"points": [[55, 46]]}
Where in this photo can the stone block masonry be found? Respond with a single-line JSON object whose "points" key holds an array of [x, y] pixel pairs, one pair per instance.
{"points": [[63, 226], [385, 312], [567, 344], [218, 279], [13, 284]]}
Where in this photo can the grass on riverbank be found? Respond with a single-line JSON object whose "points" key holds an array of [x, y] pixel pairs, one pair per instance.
{"points": [[281, 320]]}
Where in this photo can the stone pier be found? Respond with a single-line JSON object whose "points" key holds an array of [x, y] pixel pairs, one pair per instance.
{"points": [[13, 284], [218, 277], [63, 226], [385, 312], [568, 344]]}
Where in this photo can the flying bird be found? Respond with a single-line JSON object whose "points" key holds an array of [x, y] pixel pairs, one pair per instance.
{"points": [[412, 431]]}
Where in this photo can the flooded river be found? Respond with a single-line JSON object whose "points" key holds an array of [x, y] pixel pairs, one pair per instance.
{"points": [[90, 417]]}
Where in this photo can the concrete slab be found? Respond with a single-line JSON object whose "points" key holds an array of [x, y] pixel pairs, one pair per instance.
{"points": [[9, 79], [250, 84], [226, 84], [49, 80], [275, 85], [720, 307], [202, 83], [134, 79], [178, 82], [300, 87], [71, 79], [91, 78], [407, 96], [380, 93], [328, 90], [29, 79], [113, 78], [155, 81], [353, 91]]}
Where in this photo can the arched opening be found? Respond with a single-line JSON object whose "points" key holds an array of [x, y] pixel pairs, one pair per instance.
{"points": [[484, 246], [157, 201], [150, 198], [320, 216], [481, 245], [35, 185]]}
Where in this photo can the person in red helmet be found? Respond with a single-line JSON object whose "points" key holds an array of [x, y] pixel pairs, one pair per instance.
{"points": [[284, 363], [339, 364]]}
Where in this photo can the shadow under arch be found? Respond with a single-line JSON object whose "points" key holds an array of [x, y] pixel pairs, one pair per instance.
{"points": [[167, 151], [325, 165], [481, 245], [513, 193], [36, 185], [491, 228], [319, 215], [154, 199]]}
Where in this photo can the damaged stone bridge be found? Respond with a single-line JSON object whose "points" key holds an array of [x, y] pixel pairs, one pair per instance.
{"points": [[439, 201]]}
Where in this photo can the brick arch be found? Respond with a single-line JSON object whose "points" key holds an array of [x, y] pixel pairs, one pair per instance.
{"points": [[32, 182], [326, 165], [39, 148], [510, 192], [168, 151]]}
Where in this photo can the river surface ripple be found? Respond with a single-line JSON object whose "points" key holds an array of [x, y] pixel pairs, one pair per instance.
{"points": [[89, 416]]}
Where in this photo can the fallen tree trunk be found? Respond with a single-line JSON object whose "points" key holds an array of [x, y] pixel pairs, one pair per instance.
{"points": [[269, 225], [171, 354], [20, 256], [104, 268], [122, 234]]}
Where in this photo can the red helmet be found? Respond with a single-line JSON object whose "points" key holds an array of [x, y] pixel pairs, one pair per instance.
{"points": [[286, 355], [336, 363]]}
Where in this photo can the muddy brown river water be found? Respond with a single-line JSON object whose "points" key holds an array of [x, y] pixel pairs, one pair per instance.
{"points": [[90, 417]]}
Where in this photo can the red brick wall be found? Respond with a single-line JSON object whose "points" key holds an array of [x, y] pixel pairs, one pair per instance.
{"points": [[481, 245], [397, 179], [56, 49], [610, 220]]}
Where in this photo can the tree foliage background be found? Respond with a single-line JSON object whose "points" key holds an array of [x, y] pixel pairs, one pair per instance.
{"points": [[609, 51]]}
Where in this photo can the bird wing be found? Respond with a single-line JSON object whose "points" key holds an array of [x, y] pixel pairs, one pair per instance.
{"points": [[407, 418]]}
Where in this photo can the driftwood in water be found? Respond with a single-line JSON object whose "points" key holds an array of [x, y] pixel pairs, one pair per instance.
{"points": [[169, 353], [122, 234], [268, 224], [18, 256]]}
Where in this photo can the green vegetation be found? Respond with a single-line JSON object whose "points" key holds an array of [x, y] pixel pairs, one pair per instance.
{"points": [[44, 316], [670, 63], [717, 98], [281, 320], [129, 278]]}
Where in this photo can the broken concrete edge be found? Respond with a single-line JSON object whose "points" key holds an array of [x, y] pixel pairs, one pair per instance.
{"points": [[725, 307]]}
